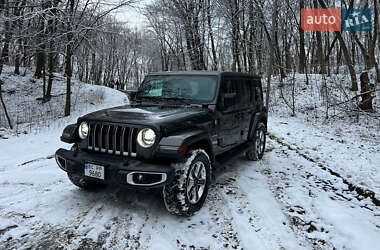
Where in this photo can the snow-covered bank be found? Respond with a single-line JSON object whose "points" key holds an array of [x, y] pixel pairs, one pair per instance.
{"points": [[29, 115], [347, 142], [354, 157]]}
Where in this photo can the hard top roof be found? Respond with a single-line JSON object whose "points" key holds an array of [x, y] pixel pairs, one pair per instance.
{"points": [[204, 73]]}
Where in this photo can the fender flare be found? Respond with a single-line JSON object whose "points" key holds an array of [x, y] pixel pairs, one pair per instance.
{"points": [[256, 118], [188, 138], [69, 134]]}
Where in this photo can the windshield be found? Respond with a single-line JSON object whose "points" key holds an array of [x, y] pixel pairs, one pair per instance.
{"points": [[196, 88]]}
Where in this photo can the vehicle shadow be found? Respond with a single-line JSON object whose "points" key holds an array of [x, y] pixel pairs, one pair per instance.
{"points": [[136, 201], [236, 165]]}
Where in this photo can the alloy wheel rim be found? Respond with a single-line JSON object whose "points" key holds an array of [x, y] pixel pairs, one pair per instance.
{"points": [[196, 182], [260, 142]]}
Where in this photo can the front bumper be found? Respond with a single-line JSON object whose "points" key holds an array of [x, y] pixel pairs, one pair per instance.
{"points": [[122, 171]]}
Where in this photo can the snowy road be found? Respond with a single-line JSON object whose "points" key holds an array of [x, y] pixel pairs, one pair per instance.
{"points": [[286, 201]]}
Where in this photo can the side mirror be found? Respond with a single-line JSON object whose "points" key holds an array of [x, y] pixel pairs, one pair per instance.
{"points": [[229, 100], [132, 95]]}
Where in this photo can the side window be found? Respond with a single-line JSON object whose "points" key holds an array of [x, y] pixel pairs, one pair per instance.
{"points": [[252, 98], [247, 92], [242, 93], [258, 94], [227, 87]]}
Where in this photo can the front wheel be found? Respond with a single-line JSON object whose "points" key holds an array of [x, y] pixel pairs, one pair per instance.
{"points": [[257, 149], [187, 192]]}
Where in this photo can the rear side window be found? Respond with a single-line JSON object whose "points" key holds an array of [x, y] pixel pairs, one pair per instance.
{"points": [[258, 91], [247, 91], [249, 88], [252, 98], [258, 94], [243, 94], [229, 87]]}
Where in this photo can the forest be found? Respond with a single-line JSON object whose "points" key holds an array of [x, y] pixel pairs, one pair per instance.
{"points": [[86, 40]]}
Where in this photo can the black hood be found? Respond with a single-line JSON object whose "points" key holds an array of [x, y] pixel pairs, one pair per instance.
{"points": [[167, 118]]}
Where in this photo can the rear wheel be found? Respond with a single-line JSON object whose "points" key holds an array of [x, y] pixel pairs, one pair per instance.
{"points": [[257, 149], [79, 181], [186, 194]]}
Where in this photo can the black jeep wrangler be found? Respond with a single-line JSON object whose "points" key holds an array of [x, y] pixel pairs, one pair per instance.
{"points": [[171, 136]]}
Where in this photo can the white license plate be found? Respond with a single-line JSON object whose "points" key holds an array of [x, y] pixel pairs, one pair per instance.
{"points": [[93, 170]]}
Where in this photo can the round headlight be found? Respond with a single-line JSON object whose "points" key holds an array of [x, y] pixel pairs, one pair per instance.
{"points": [[146, 137], [83, 130]]}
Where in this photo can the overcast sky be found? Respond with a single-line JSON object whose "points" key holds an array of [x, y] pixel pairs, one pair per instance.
{"points": [[132, 15]]}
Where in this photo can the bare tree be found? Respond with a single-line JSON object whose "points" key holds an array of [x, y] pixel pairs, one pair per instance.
{"points": [[346, 53]]}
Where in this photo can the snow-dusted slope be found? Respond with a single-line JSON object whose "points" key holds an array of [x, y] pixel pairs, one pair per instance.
{"points": [[30, 115]]}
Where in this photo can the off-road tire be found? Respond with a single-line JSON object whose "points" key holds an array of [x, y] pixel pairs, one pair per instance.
{"points": [[256, 153], [175, 193], [79, 181]]}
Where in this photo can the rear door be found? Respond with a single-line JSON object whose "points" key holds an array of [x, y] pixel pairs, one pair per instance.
{"points": [[228, 122], [258, 102], [246, 107]]}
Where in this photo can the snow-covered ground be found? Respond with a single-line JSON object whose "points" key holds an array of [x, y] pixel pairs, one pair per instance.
{"points": [[312, 190]]}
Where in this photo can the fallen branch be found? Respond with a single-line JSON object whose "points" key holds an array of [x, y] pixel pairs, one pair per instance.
{"points": [[46, 100], [4, 107], [38, 159], [355, 97]]}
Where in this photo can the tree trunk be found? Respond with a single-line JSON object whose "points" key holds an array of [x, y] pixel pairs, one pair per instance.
{"points": [[288, 57], [236, 66], [4, 57], [338, 59], [19, 24], [68, 73], [365, 92], [251, 41], [272, 51], [328, 53], [302, 58], [18, 57], [68, 69], [278, 53], [51, 70], [43, 84], [5, 108], [375, 39], [211, 34], [320, 54], [346, 54], [40, 61]]}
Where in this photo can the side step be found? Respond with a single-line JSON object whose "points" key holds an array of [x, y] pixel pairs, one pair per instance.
{"points": [[232, 154]]}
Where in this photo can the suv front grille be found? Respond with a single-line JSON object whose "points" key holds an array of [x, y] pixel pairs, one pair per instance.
{"points": [[112, 139]]}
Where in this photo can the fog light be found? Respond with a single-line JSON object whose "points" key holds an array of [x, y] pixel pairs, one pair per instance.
{"points": [[140, 177]]}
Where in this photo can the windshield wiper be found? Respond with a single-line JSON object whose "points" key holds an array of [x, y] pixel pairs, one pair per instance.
{"points": [[151, 98], [185, 101], [181, 100]]}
